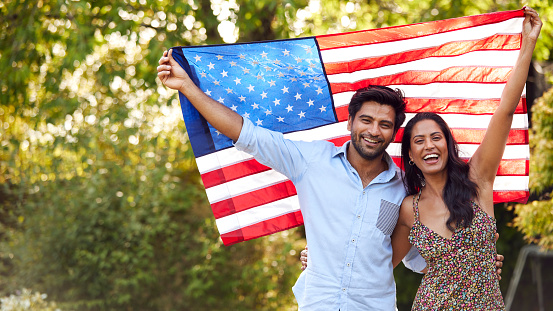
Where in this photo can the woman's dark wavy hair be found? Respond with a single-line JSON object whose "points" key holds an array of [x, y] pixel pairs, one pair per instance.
{"points": [[382, 95], [459, 190]]}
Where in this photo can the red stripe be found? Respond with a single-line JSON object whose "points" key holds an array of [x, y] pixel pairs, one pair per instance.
{"points": [[496, 42], [451, 75], [475, 136], [514, 167], [253, 198], [230, 173], [445, 106], [510, 196], [403, 32], [263, 228], [462, 136]]}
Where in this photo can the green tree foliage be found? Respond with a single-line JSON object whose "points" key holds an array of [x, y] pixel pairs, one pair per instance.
{"points": [[535, 219], [102, 207]]}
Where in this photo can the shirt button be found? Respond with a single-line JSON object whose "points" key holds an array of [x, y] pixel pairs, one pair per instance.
{"points": [[343, 289], [358, 216], [348, 264], [363, 192], [353, 240]]}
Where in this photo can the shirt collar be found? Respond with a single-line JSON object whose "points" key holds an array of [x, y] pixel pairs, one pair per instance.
{"points": [[390, 174]]}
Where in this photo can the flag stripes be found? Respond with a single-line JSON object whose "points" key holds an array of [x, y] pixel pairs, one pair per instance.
{"points": [[456, 68]]}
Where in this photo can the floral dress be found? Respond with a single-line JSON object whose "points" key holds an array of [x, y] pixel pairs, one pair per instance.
{"points": [[461, 270]]}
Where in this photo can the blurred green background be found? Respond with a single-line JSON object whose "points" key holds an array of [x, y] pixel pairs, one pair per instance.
{"points": [[102, 207]]}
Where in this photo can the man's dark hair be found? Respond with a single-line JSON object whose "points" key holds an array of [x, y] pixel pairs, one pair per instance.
{"points": [[382, 95], [459, 190]]}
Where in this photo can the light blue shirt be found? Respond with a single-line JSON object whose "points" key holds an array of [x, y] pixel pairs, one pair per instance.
{"points": [[348, 227]]}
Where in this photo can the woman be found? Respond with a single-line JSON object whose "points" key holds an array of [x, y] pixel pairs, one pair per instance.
{"points": [[448, 214]]}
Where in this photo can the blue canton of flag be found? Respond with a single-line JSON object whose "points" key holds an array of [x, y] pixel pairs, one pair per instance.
{"points": [[279, 85]]}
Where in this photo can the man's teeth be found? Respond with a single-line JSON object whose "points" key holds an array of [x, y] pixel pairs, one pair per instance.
{"points": [[430, 156], [370, 140]]}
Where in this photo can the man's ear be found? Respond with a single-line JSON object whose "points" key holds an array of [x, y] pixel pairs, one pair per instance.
{"points": [[350, 120]]}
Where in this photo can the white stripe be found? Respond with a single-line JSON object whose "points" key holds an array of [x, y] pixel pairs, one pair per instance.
{"points": [[257, 214], [485, 59], [512, 152], [243, 185], [511, 183], [443, 90], [511, 26], [482, 121]]}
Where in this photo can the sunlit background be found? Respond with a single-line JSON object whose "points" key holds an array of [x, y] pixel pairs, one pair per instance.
{"points": [[102, 204]]}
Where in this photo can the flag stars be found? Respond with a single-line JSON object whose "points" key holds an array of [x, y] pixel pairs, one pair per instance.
{"points": [[233, 63], [246, 70], [312, 65], [251, 88], [272, 83], [224, 73], [198, 58], [276, 101], [308, 50], [229, 90], [246, 115], [207, 92], [255, 106], [277, 62], [219, 57], [289, 67], [259, 122], [218, 133], [255, 62], [242, 98], [286, 52], [293, 79], [280, 75], [284, 90], [242, 56], [267, 68], [221, 100], [203, 74], [264, 95], [268, 112], [297, 96], [280, 119], [264, 55], [323, 108], [306, 84], [319, 90], [301, 114], [211, 65], [259, 77], [216, 82], [299, 60], [310, 102], [234, 107], [290, 108], [237, 81], [302, 74]]}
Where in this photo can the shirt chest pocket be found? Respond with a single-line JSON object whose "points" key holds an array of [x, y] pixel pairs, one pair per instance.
{"points": [[387, 217]]}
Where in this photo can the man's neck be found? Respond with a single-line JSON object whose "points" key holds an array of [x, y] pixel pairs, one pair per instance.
{"points": [[367, 169]]}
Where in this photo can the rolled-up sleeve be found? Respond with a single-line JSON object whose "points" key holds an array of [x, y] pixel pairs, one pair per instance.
{"points": [[414, 261], [270, 148]]}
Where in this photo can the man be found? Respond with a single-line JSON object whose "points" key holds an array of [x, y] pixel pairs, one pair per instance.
{"points": [[349, 195]]}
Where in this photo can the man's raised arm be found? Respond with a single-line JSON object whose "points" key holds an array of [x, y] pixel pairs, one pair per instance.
{"points": [[173, 76]]}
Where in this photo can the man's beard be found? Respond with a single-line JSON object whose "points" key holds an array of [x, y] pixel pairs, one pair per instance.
{"points": [[370, 154]]}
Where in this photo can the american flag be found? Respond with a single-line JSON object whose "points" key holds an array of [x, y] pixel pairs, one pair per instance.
{"points": [[302, 87]]}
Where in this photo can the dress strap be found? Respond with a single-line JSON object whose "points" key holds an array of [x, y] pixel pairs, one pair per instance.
{"points": [[416, 199]]}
